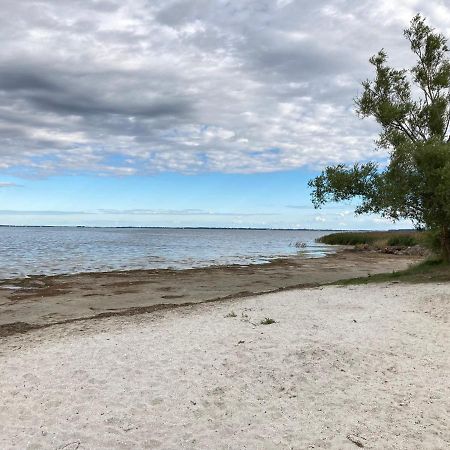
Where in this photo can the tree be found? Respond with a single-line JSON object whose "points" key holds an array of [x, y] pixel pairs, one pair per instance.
{"points": [[412, 108]]}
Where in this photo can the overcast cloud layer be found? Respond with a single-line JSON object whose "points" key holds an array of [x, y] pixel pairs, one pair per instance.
{"points": [[138, 87]]}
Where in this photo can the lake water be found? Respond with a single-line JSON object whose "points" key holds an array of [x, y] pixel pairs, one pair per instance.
{"points": [[59, 250]]}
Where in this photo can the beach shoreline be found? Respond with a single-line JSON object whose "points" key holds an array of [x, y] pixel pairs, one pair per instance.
{"points": [[42, 301]]}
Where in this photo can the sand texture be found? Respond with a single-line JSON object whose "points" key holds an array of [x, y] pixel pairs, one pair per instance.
{"points": [[40, 301], [342, 367]]}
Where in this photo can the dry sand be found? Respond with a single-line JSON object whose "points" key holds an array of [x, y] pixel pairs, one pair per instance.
{"points": [[41, 301], [342, 367]]}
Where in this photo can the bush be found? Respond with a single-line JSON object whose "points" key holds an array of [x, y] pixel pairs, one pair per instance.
{"points": [[432, 240], [402, 241]]}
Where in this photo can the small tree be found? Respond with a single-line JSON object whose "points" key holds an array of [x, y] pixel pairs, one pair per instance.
{"points": [[413, 109]]}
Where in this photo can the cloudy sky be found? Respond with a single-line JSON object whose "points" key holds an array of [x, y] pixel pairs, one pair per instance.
{"points": [[187, 112]]}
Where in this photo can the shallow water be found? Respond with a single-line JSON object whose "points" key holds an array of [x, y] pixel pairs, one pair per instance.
{"points": [[58, 250]]}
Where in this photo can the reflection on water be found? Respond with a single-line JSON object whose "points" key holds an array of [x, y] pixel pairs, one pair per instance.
{"points": [[57, 250]]}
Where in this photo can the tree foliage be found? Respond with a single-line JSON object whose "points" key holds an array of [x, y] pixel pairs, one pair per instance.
{"points": [[412, 108]]}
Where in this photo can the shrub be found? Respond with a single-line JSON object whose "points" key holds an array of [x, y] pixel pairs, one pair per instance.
{"points": [[432, 240], [402, 241]]}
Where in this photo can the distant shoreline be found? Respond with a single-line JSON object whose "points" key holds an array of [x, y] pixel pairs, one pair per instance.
{"points": [[202, 228]]}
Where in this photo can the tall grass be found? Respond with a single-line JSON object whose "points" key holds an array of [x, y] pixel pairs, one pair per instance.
{"points": [[375, 238], [403, 241]]}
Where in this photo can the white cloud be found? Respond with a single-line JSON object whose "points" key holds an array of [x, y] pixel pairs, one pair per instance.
{"points": [[7, 184], [134, 212], [119, 87]]}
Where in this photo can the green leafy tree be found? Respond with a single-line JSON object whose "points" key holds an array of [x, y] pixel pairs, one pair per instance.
{"points": [[412, 108]]}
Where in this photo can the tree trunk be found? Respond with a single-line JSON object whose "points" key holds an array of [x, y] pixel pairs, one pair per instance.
{"points": [[445, 240]]}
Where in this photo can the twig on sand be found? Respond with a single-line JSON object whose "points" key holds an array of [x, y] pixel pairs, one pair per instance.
{"points": [[355, 440], [70, 446]]}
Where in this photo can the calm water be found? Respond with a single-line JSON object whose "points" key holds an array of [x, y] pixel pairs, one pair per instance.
{"points": [[33, 250]]}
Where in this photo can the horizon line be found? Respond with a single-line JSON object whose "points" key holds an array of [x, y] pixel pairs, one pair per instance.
{"points": [[200, 228]]}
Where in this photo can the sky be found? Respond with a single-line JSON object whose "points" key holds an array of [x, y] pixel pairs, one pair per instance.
{"points": [[189, 112]]}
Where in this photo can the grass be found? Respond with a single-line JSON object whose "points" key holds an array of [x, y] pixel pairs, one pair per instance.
{"points": [[432, 270], [267, 321], [378, 239], [403, 241]]}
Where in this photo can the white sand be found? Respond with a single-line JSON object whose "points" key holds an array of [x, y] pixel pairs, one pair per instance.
{"points": [[365, 364]]}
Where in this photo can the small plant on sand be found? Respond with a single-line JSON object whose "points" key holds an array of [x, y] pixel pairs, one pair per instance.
{"points": [[267, 321], [231, 314]]}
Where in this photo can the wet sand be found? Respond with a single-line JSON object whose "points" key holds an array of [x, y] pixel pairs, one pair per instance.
{"points": [[42, 301]]}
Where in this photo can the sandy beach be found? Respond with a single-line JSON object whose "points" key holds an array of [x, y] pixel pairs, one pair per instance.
{"points": [[37, 301], [341, 367], [224, 225]]}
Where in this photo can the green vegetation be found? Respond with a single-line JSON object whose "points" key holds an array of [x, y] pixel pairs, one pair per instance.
{"points": [[377, 239], [402, 241], [433, 270], [267, 321], [412, 108]]}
